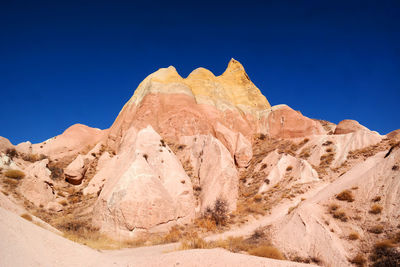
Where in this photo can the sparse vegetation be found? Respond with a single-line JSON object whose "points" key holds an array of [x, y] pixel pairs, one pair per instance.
{"points": [[345, 195], [11, 153], [354, 236], [267, 252], [376, 199], [340, 215], [358, 260], [33, 157], [385, 254], [26, 216], [376, 209], [377, 229], [14, 174], [219, 213]]}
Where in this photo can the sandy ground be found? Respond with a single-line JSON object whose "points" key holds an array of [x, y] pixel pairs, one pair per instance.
{"points": [[26, 244]]}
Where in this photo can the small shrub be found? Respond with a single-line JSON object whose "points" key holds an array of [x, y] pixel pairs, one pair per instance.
{"points": [[181, 147], [384, 254], [193, 241], [27, 217], [345, 195], [267, 252], [385, 244], [11, 153], [327, 143], [15, 174], [329, 150], [354, 236], [378, 229], [220, 212], [173, 235], [340, 215], [206, 223], [358, 260], [376, 209], [33, 157], [376, 199], [63, 202], [289, 168], [395, 167], [257, 198], [333, 207]]}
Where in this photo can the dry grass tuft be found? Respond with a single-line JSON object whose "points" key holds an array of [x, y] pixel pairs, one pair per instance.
{"points": [[340, 215], [376, 199], [14, 174], [257, 198], [345, 195], [377, 229], [354, 236], [376, 209], [206, 223], [358, 260], [267, 252], [385, 244], [26, 216]]}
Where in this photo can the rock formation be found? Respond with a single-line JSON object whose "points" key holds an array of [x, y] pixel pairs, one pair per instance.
{"points": [[180, 146]]}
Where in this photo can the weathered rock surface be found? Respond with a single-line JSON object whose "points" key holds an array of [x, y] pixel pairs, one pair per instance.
{"points": [[369, 179], [280, 167], [213, 168], [200, 102], [349, 126], [5, 144], [75, 139], [284, 122], [76, 170], [37, 186], [151, 194]]}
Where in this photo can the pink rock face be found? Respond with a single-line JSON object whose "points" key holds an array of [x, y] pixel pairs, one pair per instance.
{"points": [[151, 193], [284, 122], [175, 115], [36, 186], [76, 138], [215, 168], [5, 144], [239, 147], [395, 135], [349, 126]]}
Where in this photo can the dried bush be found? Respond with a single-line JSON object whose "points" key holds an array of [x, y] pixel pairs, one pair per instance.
{"points": [[257, 197], [11, 153], [267, 252], [345, 195], [377, 229], [14, 174], [33, 157], [354, 236], [219, 213], [384, 254], [376, 209], [358, 260], [27, 217], [376, 199], [340, 215]]}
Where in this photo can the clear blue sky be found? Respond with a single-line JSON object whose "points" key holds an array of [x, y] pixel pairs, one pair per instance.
{"points": [[66, 62]]}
